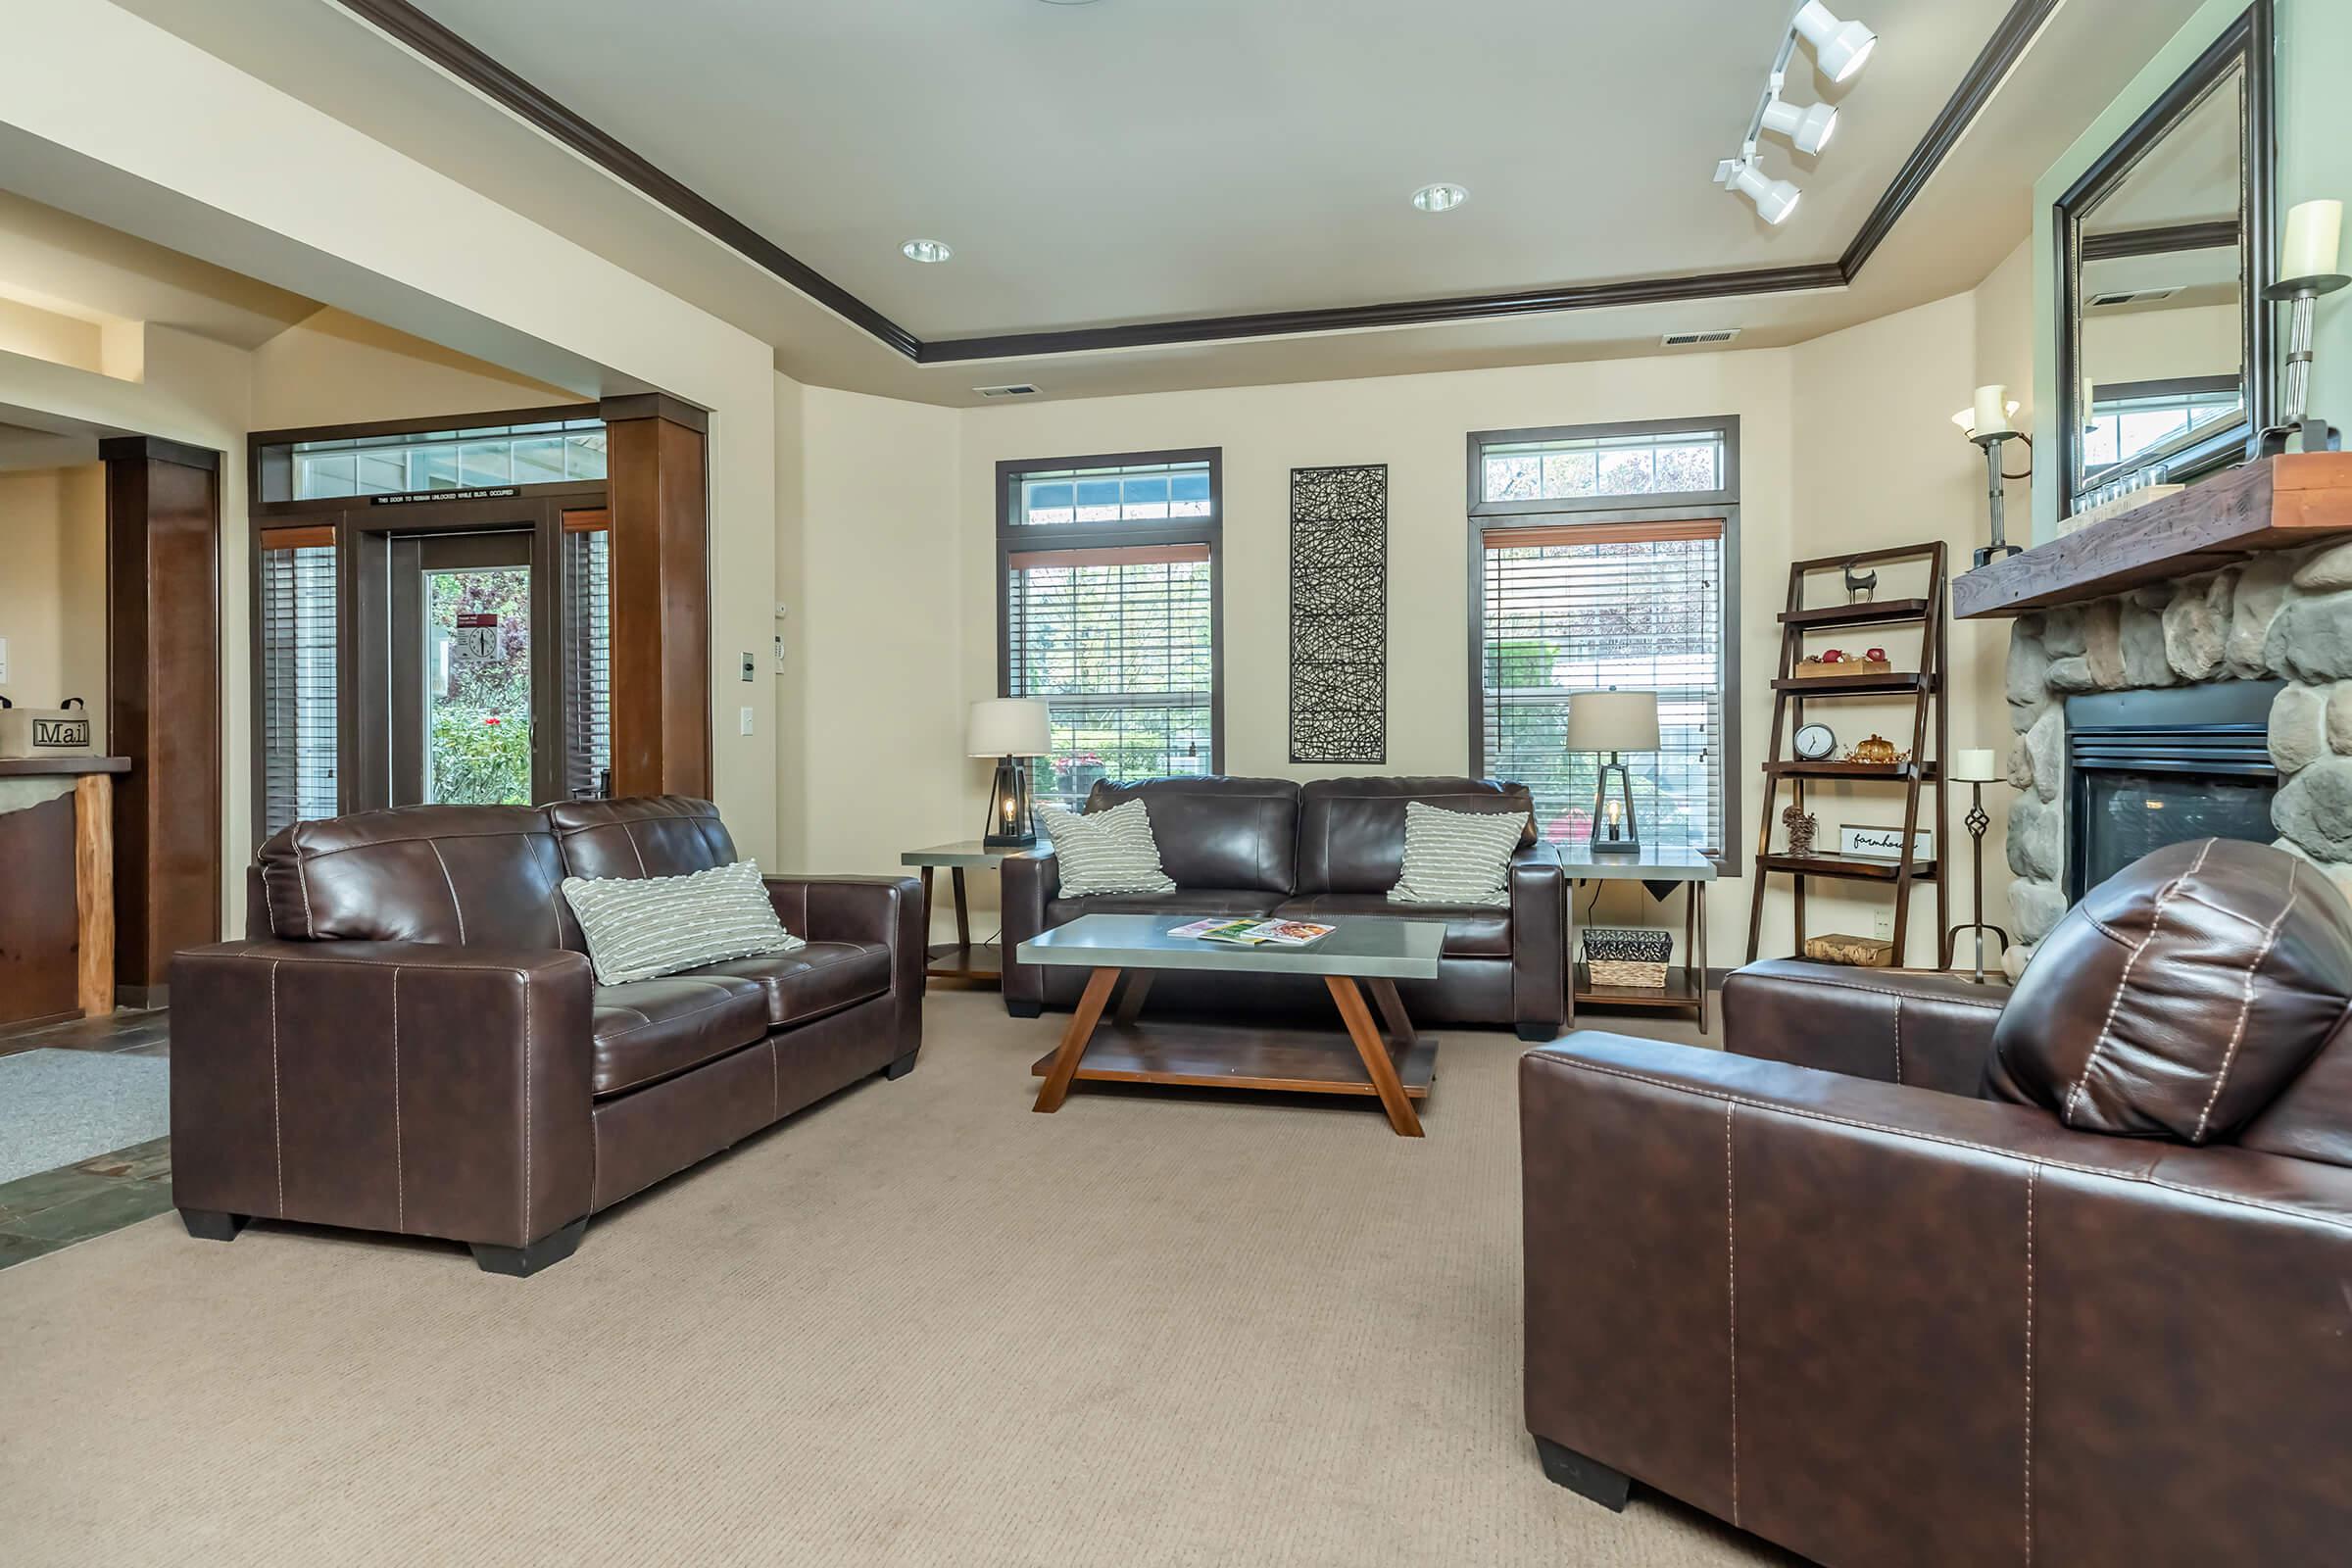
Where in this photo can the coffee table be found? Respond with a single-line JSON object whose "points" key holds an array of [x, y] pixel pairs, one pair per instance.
{"points": [[1366, 955]]}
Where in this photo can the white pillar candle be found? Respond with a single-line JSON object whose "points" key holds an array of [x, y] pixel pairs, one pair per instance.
{"points": [[2313, 230], [1992, 408], [1974, 767]]}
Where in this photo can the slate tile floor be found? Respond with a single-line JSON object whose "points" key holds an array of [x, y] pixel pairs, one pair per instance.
{"points": [[56, 1209]]}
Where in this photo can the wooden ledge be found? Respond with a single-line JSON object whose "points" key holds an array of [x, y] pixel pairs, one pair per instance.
{"points": [[2280, 503], [61, 766]]}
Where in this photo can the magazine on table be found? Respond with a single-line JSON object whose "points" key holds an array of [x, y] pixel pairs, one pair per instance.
{"points": [[1255, 933]]}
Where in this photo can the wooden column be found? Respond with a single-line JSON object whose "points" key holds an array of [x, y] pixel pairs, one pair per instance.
{"points": [[661, 596], [163, 530], [94, 893]]}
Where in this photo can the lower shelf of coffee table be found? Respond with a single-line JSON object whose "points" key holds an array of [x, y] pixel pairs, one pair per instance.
{"points": [[1221, 1056]]}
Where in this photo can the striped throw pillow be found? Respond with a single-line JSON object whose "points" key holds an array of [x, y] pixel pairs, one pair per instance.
{"points": [[1456, 856], [1106, 851], [640, 927]]}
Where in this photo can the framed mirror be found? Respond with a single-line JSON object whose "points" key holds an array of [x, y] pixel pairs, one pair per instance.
{"points": [[2164, 357]]}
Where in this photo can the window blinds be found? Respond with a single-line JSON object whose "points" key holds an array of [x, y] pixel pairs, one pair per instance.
{"points": [[588, 654], [1118, 639], [299, 773], [1584, 606]]}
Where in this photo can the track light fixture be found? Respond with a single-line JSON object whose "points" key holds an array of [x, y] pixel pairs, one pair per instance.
{"points": [[1838, 48], [1775, 199], [1808, 130]]}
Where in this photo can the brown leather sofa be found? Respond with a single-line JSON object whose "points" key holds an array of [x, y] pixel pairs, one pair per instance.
{"points": [[1313, 851], [410, 1038], [2065, 1280]]}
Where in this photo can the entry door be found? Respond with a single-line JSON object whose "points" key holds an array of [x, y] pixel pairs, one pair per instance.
{"points": [[473, 716]]}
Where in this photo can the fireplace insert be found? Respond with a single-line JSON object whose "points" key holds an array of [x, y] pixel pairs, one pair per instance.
{"points": [[2147, 769]]}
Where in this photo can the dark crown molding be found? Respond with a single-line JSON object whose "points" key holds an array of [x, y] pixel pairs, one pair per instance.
{"points": [[406, 25]]}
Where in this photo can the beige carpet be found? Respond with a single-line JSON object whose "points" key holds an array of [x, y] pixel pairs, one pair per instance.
{"points": [[918, 1325]]}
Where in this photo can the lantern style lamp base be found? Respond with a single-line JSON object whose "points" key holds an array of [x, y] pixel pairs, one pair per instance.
{"points": [[1011, 818], [1614, 837]]}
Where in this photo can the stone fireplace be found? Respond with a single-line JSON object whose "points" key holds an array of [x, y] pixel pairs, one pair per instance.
{"points": [[2262, 649]]}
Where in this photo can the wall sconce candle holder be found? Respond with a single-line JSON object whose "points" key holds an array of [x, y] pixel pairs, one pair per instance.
{"points": [[2299, 427]]}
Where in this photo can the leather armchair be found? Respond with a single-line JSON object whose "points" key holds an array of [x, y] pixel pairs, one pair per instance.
{"points": [[2083, 1311]]}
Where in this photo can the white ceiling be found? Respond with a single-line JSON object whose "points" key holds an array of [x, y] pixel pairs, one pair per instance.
{"points": [[1134, 161]]}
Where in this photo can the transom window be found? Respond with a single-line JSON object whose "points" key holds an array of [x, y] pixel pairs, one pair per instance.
{"points": [[1585, 593], [1585, 468], [543, 452], [1109, 572]]}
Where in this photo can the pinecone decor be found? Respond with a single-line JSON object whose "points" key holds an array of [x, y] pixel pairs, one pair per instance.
{"points": [[1801, 825]]}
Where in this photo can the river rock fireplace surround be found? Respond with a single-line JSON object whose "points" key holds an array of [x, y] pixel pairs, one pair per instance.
{"points": [[2254, 664]]}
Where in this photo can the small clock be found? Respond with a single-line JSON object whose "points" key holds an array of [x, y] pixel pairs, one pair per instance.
{"points": [[1814, 742]]}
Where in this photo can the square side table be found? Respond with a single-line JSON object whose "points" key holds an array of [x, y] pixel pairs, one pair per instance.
{"points": [[959, 962]]}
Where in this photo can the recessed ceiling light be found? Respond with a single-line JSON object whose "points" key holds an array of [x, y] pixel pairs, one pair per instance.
{"points": [[925, 250], [1440, 198]]}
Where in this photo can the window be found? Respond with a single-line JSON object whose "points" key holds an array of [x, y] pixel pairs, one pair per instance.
{"points": [[297, 631], [1110, 613], [537, 452], [1586, 581], [2131, 419], [588, 651]]}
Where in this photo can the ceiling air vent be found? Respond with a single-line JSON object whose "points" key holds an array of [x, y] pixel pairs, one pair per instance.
{"points": [[1017, 390], [2100, 302], [1675, 340]]}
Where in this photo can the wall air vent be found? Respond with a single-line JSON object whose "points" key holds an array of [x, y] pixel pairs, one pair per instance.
{"points": [[1017, 390], [1675, 340], [2143, 296]]}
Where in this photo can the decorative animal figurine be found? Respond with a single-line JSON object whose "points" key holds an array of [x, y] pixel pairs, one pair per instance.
{"points": [[1860, 585]]}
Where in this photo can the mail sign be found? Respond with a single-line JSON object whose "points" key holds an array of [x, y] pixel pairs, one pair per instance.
{"points": [[74, 732]]}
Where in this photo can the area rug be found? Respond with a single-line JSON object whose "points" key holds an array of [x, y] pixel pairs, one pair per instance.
{"points": [[60, 1107], [917, 1324]]}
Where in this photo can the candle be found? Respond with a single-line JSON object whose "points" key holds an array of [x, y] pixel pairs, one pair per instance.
{"points": [[1975, 766], [2313, 230], [1992, 408]]}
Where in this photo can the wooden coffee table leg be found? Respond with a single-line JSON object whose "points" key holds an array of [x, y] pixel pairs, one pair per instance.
{"points": [[1375, 1052], [1391, 1013], [1073, 1040], [1131, 999]]}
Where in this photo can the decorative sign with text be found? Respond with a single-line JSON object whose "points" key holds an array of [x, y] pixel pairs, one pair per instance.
{"points": [[420, 498], [1885, 843], [477, 641]]}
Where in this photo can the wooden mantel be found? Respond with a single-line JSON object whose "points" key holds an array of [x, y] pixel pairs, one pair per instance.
{"points": [[2275, 504]]}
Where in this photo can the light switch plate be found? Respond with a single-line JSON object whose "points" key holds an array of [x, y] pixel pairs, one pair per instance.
{"points": [[4, 657], [745, 722]]}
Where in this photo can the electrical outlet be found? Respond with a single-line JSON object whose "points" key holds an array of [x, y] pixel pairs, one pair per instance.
{"points": [[1881, 922], [744, 724], [749, 666]]}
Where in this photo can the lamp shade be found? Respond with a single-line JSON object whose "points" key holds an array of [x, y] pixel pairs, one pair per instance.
{"points": [[1007, 726], [1613, 721]]}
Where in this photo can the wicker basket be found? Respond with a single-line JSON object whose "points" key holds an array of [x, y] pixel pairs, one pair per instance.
{"points": [[1628, 956]]}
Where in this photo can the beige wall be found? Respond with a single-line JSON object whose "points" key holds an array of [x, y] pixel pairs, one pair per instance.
{"points": [[53, 587], [889, 561], [336, 368]]}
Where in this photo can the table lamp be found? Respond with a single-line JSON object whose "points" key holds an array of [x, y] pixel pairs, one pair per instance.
{"points": [[1975, 768], [1007, 728], [1615, 722]]}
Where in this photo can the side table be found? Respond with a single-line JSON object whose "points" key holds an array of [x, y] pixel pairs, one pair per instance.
{"points": [[1687, 982], [960, 961]]}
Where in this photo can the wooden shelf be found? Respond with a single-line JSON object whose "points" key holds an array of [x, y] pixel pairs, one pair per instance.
{"points": [[2275, 504], [1855, 685], [1900, 771], [1679, 991], [1854, 868], [1877, 613]]}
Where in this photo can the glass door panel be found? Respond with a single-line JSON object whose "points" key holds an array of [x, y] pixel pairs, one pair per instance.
{"points": [[477, 686]]}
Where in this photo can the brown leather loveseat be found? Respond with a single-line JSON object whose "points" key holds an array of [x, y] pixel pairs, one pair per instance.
{"points": [[411, 1039], [1320, 850], [2065, 1280]]}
